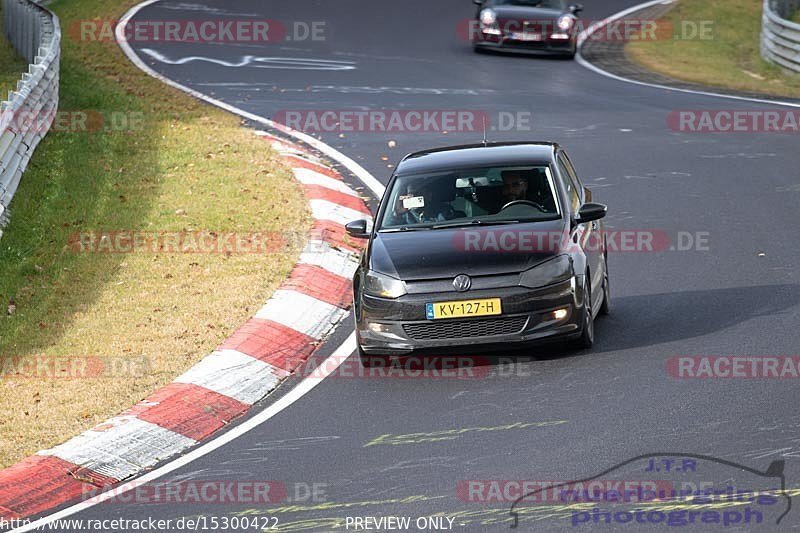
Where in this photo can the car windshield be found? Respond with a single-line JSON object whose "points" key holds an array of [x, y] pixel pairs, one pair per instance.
{"points": [[494, 195], [547, 4]]}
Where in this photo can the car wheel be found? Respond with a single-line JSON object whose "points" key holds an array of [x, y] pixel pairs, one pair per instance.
{"points": [[605, 308], [586, 340]]}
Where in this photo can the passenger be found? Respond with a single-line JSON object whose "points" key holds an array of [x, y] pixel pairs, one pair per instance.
{"points": [[437, 204], [403, 215], [434, 208]]}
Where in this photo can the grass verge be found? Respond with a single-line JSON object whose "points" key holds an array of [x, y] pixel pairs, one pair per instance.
{"points": [[152, 159], [731, 59], [12, 65]]}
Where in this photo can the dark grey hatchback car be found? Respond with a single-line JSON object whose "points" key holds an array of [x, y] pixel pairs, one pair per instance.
{"points": [[478, 247]]}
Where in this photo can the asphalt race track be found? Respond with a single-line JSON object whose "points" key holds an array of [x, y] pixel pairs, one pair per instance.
{"points": [[380, 447]]}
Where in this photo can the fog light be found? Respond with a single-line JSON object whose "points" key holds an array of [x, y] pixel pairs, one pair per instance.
{"points": [[384, 330], [375, 327], [560, 314]]}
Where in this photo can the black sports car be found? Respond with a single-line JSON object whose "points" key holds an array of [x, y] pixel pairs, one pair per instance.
{"points": [[481, 245], [528, 26]]}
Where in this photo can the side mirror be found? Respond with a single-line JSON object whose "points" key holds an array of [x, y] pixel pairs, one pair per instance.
{"points": [[576, 8], [477, 2], [357, 229], [590, 212]]}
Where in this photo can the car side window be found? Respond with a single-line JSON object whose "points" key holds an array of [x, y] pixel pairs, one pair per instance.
{"points": [[569, 182], [572, 172]]}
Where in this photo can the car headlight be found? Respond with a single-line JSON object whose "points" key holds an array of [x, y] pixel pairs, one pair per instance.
{"points": [[565, 22], [378, 284], [488, 17], [552, 271]]}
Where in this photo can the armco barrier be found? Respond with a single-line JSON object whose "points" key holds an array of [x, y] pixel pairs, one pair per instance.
{"points": [[26, 117], [780, 38]]}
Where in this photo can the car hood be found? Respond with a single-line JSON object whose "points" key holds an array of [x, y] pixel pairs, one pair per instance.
{"points": [[526, 13], [443, 253]]}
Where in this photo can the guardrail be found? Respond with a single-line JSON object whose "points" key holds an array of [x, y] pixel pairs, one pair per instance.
{"points": [[780, 38], [26, 117]]}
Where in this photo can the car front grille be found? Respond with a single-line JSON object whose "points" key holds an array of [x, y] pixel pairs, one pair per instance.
{"points": [[459, 329], [531, 45]]}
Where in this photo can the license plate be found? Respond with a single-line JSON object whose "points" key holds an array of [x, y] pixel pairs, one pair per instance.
{"points": [[464, 308], [526, 36]]}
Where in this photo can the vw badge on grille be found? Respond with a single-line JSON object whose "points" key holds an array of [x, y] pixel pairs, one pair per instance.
{"points": [[462, 283]]}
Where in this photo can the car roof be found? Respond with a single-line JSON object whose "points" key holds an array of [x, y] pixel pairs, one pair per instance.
{"points": [[477, 155]]}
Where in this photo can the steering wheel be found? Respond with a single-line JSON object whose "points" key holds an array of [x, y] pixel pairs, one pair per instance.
{"points": [[525, 202]]}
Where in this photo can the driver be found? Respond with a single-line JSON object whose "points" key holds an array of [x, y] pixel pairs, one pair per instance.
{"points": [[515, 187]]}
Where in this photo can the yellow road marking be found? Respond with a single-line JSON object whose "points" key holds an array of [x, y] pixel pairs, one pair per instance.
{"points": [[452, 434]]}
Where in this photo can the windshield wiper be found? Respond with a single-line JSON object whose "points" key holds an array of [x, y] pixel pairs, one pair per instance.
{"points": [[475, 223], [403, 228]]}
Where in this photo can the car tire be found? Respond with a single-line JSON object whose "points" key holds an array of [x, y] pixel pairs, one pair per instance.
{"points": [[586, 339], [605, 308]]}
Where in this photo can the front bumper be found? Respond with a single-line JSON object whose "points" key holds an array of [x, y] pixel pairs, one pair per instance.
{"points": [[547, 46], [396, 327]]}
